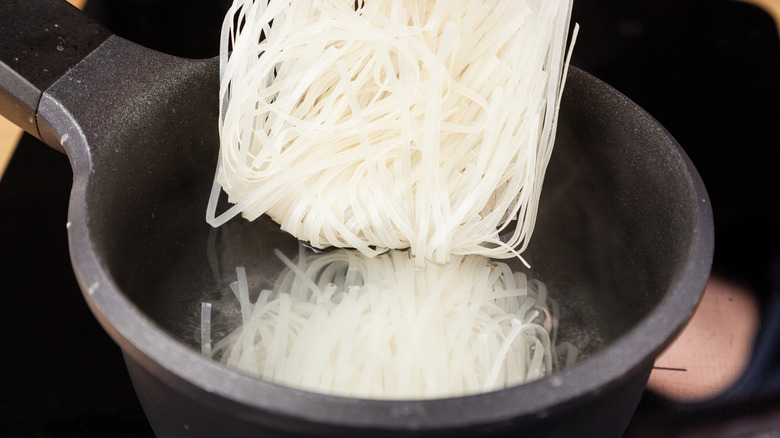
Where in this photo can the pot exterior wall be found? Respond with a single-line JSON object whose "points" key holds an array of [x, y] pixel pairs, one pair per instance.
{"points": [[174, 414]]}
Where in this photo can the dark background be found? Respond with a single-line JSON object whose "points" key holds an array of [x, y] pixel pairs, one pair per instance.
{"points": [[709, 71]]}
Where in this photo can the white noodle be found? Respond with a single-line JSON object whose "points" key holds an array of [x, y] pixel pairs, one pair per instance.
{"points": [[205, 329], [346, 324], [403, 124]]}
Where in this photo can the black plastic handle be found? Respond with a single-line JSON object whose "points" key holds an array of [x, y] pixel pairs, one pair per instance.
{"points": [[40, 40]]}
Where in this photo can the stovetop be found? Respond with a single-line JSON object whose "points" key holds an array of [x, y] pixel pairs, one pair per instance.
{"points": [[708, 71]]}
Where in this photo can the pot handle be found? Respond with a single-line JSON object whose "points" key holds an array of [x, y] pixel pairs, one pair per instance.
{"points": [[40, 40]]}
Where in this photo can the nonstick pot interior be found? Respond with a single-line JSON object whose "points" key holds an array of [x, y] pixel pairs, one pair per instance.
{"points": [[623, 241]]}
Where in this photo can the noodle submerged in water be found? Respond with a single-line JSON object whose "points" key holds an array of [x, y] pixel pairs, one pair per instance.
{"points": [[346, 324]]}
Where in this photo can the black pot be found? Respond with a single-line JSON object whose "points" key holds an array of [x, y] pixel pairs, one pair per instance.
{"points": [[624, 240]]}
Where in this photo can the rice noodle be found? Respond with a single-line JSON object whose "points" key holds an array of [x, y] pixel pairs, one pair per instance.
{"points": [[394, 124], [205, 329], [346, 324]]}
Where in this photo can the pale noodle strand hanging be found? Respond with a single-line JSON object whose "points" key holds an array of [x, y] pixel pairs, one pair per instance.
{"points": [[402, 124]]}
